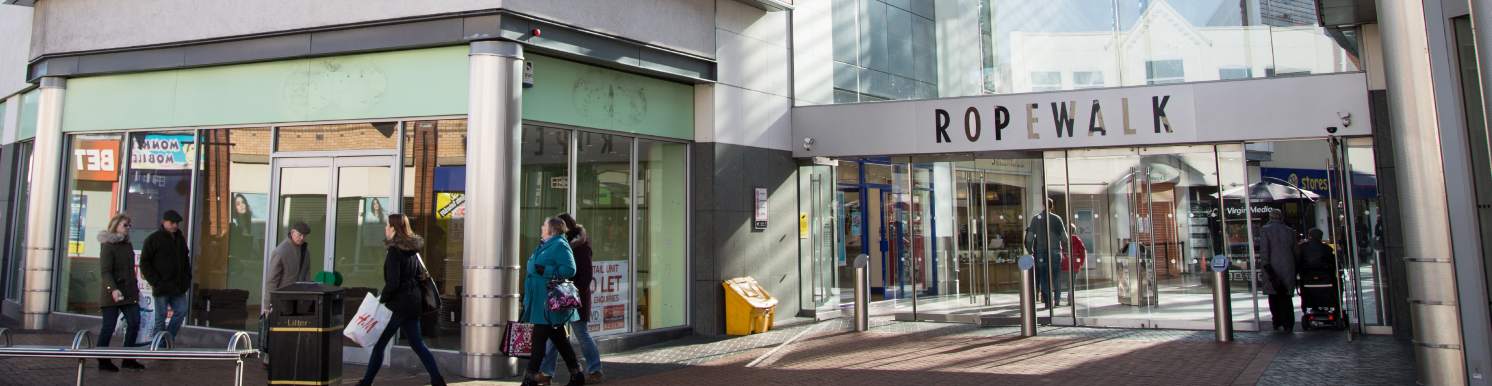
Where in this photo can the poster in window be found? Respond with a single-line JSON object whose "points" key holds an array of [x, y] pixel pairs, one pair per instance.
{"points": [[610, 296], [162, 151]]}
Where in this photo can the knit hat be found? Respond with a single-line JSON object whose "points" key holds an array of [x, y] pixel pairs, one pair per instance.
{"points": [[171, 216]]}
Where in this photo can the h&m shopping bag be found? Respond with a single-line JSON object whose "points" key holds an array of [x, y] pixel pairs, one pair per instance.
{"points": [[368, 323], [517, 339]]}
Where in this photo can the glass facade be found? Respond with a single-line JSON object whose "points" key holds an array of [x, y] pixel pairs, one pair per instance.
{"points": [[235, 207], [15, 263], [434, 197], [242, 188], [944, 232], [92, 195], [898, 50], [628, 194]]}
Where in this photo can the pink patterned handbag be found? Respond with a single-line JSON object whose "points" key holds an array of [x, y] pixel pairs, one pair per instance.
{"points": [[517, 341]]}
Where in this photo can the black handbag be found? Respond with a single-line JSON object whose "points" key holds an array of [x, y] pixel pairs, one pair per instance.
{"points": [[429, 293]]}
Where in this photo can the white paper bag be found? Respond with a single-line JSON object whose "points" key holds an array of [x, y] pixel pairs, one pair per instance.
{"points": [[365, 326]]}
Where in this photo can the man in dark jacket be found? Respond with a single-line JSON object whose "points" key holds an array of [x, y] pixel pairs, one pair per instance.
{"points": [[1046, 238], [1276, 247], [166, 263]]}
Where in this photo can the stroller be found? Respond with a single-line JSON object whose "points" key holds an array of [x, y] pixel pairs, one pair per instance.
{"points": [[1321, 301]]}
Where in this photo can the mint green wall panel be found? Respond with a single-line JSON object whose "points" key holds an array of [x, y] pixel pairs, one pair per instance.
{"points": [[421, 82], [27, 127], [577, 94]]}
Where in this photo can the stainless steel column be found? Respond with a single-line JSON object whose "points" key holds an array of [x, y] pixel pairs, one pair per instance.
{"points": [[1028, 296], [1222, 307], [1431, 280], [491, 246], [41, 220], [862, 292]]}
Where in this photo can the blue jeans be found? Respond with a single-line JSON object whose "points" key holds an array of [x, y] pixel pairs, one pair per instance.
{"points": [[410, 326], [1047, 272], [178, 303], [588, 349], [111, 319]]}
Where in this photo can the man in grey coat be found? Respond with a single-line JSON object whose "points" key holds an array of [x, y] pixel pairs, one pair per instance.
{"points": [[288, 264], [1276, 247]]}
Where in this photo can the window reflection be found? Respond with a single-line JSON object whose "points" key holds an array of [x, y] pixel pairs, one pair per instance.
{"points": [[895, 50], [235, 206], [343, 136]]}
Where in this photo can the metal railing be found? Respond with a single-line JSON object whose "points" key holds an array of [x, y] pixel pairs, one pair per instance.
{"points": [[240, 346]]}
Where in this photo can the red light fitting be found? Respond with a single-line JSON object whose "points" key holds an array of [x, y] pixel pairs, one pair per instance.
{"points": [[536, 32]]}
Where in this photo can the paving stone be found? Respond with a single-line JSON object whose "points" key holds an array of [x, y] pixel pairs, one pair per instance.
{"points": [[893, 353]]}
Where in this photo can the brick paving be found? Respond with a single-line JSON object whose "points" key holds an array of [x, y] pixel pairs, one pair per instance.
{"points": [[897, 353]]}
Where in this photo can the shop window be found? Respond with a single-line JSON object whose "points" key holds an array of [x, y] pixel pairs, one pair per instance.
{"points": [[159, 179], [22, 197], [92, 196], [346, 136], [603, 191], [234, 207], [544, 183], [433, 196], [662, 240]]}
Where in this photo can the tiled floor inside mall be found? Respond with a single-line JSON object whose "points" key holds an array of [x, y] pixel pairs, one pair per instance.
{"points": [[901, 353]]}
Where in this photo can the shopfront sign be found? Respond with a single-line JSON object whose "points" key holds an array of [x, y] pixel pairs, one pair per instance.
{"points": [[97, 160], [1231, 111]]}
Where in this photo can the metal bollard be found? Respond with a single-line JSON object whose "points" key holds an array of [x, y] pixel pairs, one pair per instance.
{"points": [[1222, 302], [862, 293], [1028, 295]]}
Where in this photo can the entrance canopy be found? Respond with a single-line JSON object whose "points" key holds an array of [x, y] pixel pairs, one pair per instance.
{"points": [[1203, 112]]}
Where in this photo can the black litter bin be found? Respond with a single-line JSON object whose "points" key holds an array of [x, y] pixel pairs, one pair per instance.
{"points": [[305, 335]]}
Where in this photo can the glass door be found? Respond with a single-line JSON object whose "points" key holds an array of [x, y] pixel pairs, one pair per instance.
{"points": [[1359, 233], [1147, 221], [823, 251], [345, 201]]}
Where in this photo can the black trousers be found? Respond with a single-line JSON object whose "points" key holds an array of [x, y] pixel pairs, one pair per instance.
{"points": [[561, 340], [1282, 308]]}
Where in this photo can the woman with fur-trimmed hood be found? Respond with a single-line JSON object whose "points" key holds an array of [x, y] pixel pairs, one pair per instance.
{"points": [[119, 289], [401, 293]]}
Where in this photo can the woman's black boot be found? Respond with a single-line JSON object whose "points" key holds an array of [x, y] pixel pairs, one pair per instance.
{"points": [[577, 378]]}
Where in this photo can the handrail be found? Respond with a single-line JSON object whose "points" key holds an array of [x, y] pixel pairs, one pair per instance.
{"points": [[162, 340], [248, 342], [5, 335], [82, 337]]}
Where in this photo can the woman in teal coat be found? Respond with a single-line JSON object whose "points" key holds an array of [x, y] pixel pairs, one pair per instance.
{"points": [[552, 260]]}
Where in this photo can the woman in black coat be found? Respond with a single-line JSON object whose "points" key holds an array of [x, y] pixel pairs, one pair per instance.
{"points": [[401, 294], [120, 290]]}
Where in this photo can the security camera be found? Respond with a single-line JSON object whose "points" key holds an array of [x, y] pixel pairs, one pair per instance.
{"points": [[1346, 118], [808, 144]]}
